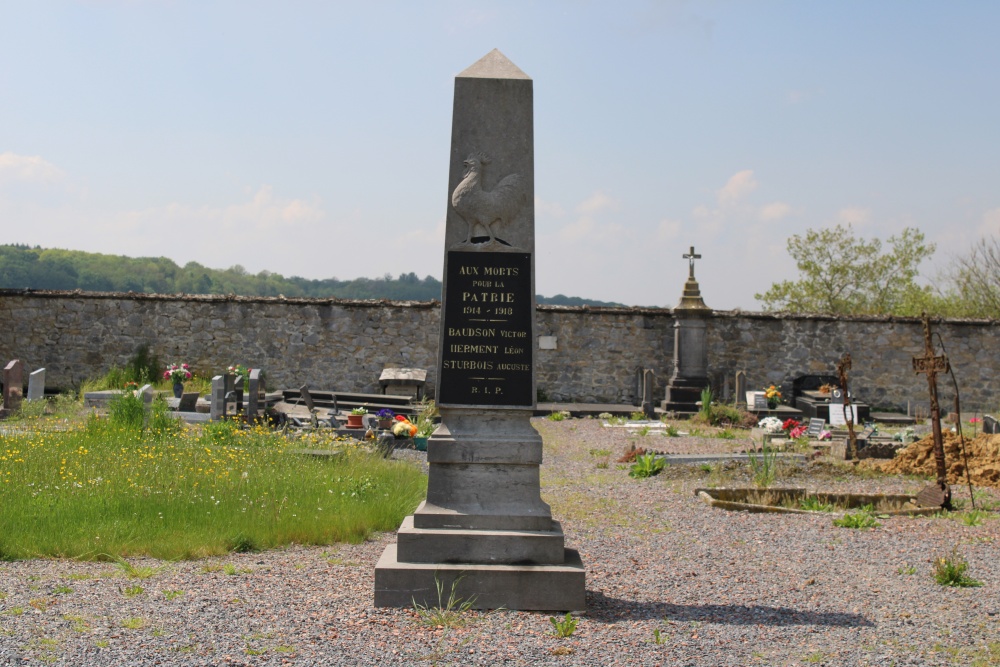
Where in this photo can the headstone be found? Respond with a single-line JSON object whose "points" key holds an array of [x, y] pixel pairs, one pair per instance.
{"points": [[146, 394], [815, 427], [639, 380], [690, 374], [254, 389], [188, 402], [837, 414], [307, 398], [741, 388], [484, 523], [727, 391], [36, 385], [13, 386], [222, 386], [647, 394], [990, 424], [759, 401]]}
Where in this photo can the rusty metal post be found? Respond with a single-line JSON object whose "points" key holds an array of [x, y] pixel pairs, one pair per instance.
{"points": [[932, 365], [852, 439]]}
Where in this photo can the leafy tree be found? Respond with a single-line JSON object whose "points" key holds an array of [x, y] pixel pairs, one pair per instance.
{"points": [[973, 281], [841, 273]]}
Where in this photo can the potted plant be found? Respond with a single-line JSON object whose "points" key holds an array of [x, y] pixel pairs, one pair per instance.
{"points": [[354, 419], [385, 418], [177, 373], [773, 397], [425, 427]]}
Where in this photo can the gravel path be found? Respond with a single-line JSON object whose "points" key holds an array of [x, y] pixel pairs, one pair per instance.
{"points": [[721, 588]]}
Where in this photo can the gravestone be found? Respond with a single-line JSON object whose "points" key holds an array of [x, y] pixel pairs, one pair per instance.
{"points": [[741, 388], [145, 392], [639, 379], [690, 374], [188, 402], [839, 415], [647, 394], [484, 523], [36, 385], [815, 427], [222, 387], [13, 386], [990, 424], [254, 388]]}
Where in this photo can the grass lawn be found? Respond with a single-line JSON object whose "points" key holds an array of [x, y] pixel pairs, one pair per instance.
{"points": [[101, 487]]}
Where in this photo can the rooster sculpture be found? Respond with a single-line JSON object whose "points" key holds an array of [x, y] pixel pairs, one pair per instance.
{"points": [[486, 208]]}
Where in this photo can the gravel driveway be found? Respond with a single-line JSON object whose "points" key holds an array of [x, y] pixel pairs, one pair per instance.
{"points": [[722, 588]]}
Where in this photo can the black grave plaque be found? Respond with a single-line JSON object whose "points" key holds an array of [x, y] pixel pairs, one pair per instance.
{"points": [[487, 351]]}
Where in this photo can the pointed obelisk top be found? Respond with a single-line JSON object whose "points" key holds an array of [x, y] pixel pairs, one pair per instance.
{"points": [[494, 65]]}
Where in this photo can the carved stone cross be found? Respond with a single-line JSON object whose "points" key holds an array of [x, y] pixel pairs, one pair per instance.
{"points": [[690, 256]]}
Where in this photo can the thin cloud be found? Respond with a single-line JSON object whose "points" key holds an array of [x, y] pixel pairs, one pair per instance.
{"points": [[774, 211], [28, 168], [991, 223], [548, 208], [594, 203], [737, 187], [854, 216]]}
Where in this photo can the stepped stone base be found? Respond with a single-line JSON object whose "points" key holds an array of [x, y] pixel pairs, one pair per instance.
{"points": [[684, 394], [491, 547], [522, 587]]}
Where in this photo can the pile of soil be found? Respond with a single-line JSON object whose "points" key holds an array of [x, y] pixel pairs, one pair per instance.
{"points": [[983, 454]]}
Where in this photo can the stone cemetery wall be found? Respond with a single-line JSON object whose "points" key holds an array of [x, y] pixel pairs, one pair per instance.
{"points": [[590, 354], [776, 348]]}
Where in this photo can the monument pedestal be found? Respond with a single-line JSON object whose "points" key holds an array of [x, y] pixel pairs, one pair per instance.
{"points": [[524, 587], [483, 521]]}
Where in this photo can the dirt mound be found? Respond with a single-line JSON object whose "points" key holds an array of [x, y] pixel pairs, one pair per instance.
{"points": [[983, 453]]}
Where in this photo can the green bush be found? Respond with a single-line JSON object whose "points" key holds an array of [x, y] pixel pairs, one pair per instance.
{"points": [[950, 571], [647, 465]]}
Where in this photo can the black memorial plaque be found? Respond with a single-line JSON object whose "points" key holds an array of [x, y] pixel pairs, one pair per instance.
{"points": [[487, 353]]}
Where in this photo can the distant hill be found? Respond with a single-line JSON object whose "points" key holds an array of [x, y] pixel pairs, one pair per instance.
{"points": [[25, 267]]}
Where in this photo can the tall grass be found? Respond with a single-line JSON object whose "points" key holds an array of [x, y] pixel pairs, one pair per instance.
{"points": [[108, 487]]}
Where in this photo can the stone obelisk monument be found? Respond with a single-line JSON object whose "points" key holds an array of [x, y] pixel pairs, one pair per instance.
{"points": [[484, 523]]}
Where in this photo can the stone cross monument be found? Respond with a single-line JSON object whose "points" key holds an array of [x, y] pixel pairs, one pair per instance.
{"points": [[690, 374], [484, 523]]}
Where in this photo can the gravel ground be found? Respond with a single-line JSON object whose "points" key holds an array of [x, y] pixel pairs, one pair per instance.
{"points": [[722, 588]]}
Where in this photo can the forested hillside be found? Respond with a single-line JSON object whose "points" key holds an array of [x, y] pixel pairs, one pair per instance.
{"points": [[24, 267]]}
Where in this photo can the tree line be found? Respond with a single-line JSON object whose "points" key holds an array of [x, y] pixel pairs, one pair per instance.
{"points": [[25, 267], [844, 274]]}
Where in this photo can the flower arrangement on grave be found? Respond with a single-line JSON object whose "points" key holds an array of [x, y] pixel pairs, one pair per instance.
{"points": [[403, 428], [826, 389], [771, 425], [773, 396], [240, 371], [793, 428], [360, 410], [177, 373]]}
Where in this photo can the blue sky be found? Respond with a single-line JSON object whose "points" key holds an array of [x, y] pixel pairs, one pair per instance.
{"points": [[312, 138]]}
